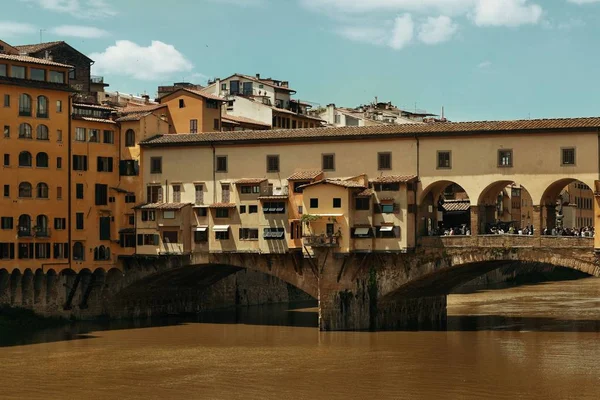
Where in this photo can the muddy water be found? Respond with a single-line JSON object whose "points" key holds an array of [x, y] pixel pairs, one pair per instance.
{"points": [[534, 342]]}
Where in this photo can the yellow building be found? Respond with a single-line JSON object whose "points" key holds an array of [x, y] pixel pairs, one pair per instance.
{"points": [[192, 111]]}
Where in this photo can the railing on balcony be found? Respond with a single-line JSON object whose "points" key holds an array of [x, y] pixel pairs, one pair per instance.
{"points": [[96, 79], [321, 241], [24, 231], [42, 232], [270, 191]]}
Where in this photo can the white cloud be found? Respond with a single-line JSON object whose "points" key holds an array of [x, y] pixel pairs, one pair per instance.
{"points": [[583, 1], [154, 62], [402, 33], [506, 13], [361, 6], [484, 64], [77, 8], [437, 30], [364, 34], [241, 3], [10, 29], [86, 32]]}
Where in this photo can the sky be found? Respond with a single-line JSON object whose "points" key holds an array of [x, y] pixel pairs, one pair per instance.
{"points": [[478, 59]]}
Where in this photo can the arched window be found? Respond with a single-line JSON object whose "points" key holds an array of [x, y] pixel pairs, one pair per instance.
{"points": [[25, 105], [25, 159], [42, 107], [41, 191], [25, 131], [25, 189], [24, 227], [129, 138], [42, 132], [41, 225], [107, 253], [78, 251], [41, 160]]}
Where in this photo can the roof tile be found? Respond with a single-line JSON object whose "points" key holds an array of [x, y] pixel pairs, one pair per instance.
{"points": [[250, 181], [222, 205], [302, 175], [163, 206], [33, 60], [395, 179]]}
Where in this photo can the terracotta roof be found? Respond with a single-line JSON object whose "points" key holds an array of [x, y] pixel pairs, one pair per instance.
{"points": [[337, 182], [274, 197], [91, 119], [250, 181], [34, 48], [386, 131], [394, 179], [366, 193], [243, 120], [196, 92], [162, 206], [305, 175], [94, 106], [138, 109], [33, 60], [457, 205], [222, 205], [133, 117]]}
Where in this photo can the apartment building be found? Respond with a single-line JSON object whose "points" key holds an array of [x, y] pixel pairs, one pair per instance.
{"points": [[372, 114]]}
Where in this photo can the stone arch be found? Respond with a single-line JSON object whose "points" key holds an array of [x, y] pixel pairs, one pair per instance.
{"points": [[27, 288], [567, 203], [39, 287], [86, 285], [51, 288], [440, 276], [444, 206], [4, 286], [503, 205], [15, 287], [69, 282]]}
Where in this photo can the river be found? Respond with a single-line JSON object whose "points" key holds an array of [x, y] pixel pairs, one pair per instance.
{"points": [[532, 342]]}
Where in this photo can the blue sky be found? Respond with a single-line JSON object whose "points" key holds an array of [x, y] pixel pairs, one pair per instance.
{"points": [[480, 59]]}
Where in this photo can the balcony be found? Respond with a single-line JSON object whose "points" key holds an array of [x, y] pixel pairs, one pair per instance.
{"points": [[270, 191], [41, 232], [171, 248], [321, 241], [96, 79], [24, 231]]}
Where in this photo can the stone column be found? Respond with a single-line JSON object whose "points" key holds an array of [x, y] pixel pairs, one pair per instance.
{"points": [[537, 221], [596, 220], [474, 220]]}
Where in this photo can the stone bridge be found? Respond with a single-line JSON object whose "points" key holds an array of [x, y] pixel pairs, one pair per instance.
{"points": [[357, 291]]}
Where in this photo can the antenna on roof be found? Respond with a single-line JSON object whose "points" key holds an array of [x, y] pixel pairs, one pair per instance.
{"points": [[41, 30]]}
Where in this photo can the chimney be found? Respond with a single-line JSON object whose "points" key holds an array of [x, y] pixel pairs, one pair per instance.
{"points": [[257, 76], [146, 98], [285, 84], [330, 117]]}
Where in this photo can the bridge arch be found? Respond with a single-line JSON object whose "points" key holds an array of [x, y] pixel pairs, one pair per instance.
{"points": [[505, 206], [444, 208], [567, 205], [4, 286], [39, 287]]}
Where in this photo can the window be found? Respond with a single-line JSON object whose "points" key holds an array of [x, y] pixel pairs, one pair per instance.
{"points": [[388, 231], [222, 235], [6, 222], [41, 160], [181, 103], [7, 100], [108, 137], [131, 219], [24, 227], [59, 192], [148, 240], [25, 159], [78, 220], [24, 131], [58, 162], [169, 214], [105, 164], [58, 106], [129, 198], [201, 236], [212, 104], [42, 132], [252, 209], [247, 189], [297, 188], [216, 124], [314, 203], [505, 158], [130, 138], [223, 86], [6, 190], [274, 207], [78, 251], [384, 161], [568, 156], [17, 72], [101, 194], [338, 119], [221, 163], [362, 233], [41, 190], [154, 194], [155, 165], [42, 107], [60, 224], [42, 251], [222, 213], [26, 251], [129, 168], [79, 191], [72, 74], [80, 134], [176, 193], [248, 234], [79, 163], [57, 77], [6, 131], [274, 233], [2, 69], [234, 87], [388, 208], [59, 135], [37, 74], [7, 160], [202, 212], [148, 215], [386, 187], [193, 126], [272, 163], [199, 189], [242, 209], [328, 162], [337, 203], [94, 136], [444, 159], [7, 251]]}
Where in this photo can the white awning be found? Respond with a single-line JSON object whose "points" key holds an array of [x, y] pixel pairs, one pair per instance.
{"points": [[386, 229], [220, 228], [201, 229], [362, 231]]}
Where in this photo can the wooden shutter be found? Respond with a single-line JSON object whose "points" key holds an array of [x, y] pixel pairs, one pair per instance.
{"points": [[12, 251]]}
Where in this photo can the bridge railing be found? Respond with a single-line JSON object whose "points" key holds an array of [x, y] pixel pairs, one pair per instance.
{"points": [[510, 241]]}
